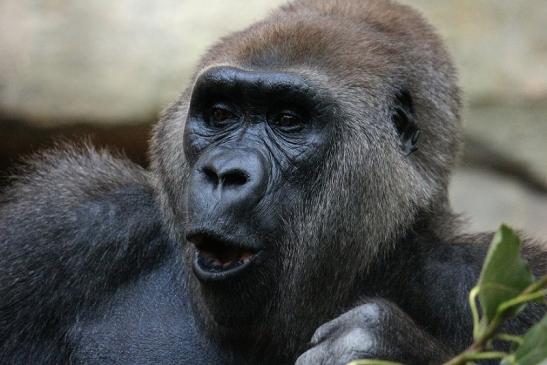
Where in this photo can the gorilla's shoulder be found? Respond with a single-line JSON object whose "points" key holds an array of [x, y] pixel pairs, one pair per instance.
{"points": [[76, 172], [77, 195], [70, 183], [75, 224]]}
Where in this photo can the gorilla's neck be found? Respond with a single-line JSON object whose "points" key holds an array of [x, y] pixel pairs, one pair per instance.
{"points": [[314, 294], [432, 229]]}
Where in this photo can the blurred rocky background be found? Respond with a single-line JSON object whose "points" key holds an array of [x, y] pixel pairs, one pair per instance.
{"points": [[103, 70]]}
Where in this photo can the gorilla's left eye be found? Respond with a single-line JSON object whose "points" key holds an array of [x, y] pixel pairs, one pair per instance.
{"points": [[220, 115], [288, 121]]}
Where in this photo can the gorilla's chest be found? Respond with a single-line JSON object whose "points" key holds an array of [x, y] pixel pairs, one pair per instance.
{"points": [[148, 322]]}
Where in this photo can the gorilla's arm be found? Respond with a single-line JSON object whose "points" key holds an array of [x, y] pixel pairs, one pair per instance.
{"points": [[426, 317], [72, 229]]}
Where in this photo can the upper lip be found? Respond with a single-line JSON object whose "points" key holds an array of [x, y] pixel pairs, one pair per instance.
{"points": [[200, 237]]}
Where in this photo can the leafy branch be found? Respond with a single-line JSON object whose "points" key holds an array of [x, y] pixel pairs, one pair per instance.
{"points": [[477, 350], [505, 286]]}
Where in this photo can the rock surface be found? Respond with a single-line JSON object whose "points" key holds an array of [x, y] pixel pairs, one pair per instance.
{"points": [[110, 61], [487, 200]]}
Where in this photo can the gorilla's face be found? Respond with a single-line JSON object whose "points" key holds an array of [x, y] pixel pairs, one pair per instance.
{"points": [[289, 169], [254, 142], [286, 185], [288, 195]]}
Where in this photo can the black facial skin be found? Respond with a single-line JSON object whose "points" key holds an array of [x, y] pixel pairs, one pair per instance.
{"points": [[251, 138]]}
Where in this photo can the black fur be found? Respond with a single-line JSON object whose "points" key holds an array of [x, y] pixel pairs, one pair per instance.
{"points": [[89, 276], [82, 244]]}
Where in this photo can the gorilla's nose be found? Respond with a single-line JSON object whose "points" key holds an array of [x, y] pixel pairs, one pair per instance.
{"points": [[230, 179]]}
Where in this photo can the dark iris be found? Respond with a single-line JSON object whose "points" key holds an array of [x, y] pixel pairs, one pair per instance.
{"points": [[220, 115], [288, 121]]}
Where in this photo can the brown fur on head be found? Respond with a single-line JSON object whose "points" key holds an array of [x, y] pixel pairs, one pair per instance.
{"points": [[367, 194]]}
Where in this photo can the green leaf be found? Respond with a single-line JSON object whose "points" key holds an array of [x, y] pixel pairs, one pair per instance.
{"points": [[533, 350], [505, 274]]}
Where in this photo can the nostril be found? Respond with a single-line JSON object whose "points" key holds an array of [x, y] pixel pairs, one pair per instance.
{"points": [[210, 175], [234, 178]]}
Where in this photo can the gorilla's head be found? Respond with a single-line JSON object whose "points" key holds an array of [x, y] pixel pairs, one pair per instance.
{"points": [[304, 150]]}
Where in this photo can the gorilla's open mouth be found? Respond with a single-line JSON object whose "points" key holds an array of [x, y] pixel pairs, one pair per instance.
{"points": [[217, 257]]}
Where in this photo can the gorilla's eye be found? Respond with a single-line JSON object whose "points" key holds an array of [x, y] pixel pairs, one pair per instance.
{"points": [[220, 115], [288, 121]]}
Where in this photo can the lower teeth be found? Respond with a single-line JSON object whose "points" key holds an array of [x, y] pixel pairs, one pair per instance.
{"points": [[216, 265]]}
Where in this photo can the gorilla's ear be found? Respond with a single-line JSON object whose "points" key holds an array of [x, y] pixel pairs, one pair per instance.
{"points": [[404, 120]]}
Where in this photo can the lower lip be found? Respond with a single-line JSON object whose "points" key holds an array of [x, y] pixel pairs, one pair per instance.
{"points": [[212, 276]]}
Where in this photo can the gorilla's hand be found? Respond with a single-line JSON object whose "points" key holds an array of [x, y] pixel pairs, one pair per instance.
{"points": [[377, 329]]}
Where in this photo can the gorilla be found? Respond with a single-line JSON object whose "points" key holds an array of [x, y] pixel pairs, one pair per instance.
{"points": [[295, 210]]}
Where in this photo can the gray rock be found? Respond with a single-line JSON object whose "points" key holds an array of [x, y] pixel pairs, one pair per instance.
{"points": [[106, 61], [488, 200], [109, 61]]}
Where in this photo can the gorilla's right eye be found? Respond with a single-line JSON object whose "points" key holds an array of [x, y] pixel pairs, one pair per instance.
{"points": [[288, 121], [220, 115]]}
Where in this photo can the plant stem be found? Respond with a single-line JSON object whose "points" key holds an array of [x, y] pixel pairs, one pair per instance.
{"points": [[487, 355], [509, 338], [533, 291], [474, 310], [373, 362]]}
